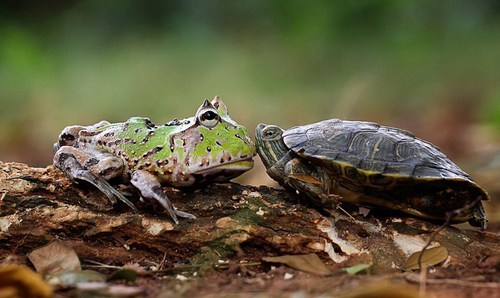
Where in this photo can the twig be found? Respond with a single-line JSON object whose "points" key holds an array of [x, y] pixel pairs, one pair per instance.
{"points": [[3, 197], [422, 281], [162, 263], [465, 283], [96, 264], [449, 217], [345, 211], [227, 265]]}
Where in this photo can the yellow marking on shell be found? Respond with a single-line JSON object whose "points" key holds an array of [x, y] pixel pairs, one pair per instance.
{"points": [[375, 147], [331, 138]]}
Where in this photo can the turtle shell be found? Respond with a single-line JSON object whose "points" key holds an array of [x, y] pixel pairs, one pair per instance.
{"points": [[385, 162]]}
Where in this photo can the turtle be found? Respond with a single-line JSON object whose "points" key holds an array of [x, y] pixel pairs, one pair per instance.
{"points": [[367, 164]]}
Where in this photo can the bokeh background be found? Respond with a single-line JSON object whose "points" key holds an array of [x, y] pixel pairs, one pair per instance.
{"points": [[431, 67]]}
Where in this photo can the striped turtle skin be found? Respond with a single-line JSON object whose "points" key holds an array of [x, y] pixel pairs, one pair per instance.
{"points": [[368, 164]]}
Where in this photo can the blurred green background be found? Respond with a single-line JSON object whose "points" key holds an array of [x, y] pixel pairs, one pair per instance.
{"points": [[432, 67]]}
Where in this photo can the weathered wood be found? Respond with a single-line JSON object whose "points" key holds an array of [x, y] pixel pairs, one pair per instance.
{"points": [[235, 223]]}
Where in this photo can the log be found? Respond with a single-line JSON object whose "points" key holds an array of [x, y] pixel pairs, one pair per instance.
{"points": [[236, 225]]}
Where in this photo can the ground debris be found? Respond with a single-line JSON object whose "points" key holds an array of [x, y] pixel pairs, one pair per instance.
{"points": [[222, 251]]}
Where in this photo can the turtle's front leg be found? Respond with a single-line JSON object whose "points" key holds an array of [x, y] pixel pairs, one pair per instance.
{"points": [[150, 188], [310, 182]]}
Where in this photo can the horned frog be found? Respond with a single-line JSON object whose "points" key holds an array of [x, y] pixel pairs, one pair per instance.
{"points": [[207, 147]]}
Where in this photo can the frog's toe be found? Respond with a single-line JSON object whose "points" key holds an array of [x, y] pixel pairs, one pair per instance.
{"points": [[184, 214], [150, 188], [111, 193], [114, 195]]}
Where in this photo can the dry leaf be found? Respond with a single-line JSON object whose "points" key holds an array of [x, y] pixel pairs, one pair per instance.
{"points": [[54, 257], [430, 257], [20, 281], [310, 263], [353, 270]]}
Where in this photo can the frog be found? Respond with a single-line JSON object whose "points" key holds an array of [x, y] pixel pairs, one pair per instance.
{"points": [[208, 147]]}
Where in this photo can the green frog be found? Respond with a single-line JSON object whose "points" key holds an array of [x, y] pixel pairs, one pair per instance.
{"points": [[208, 147]]}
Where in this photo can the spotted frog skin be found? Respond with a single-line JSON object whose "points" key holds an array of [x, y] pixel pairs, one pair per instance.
{"points": [[207, 147]]}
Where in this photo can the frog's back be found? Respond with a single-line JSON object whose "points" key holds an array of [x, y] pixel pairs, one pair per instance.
{"points": [[104, 131], [129, 139]]}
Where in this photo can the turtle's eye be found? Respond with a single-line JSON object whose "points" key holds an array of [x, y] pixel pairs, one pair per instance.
{"points": [[270, 132], [208, 118]]}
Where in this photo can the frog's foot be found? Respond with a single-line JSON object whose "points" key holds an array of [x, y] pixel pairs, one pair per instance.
{"points": [[150, 188], [70, 166], [184, 214]]}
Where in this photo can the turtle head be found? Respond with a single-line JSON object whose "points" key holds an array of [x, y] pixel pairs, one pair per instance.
{"points": [[270, 145]]}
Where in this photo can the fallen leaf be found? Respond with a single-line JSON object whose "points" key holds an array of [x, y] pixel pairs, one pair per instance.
{"points": [[20, 281], [100, 289], [310, 263], [69, 279], [123, 274], [364, 211], [54, 257], [353, 270], [430, 257], [135, 267], [382, 288]]}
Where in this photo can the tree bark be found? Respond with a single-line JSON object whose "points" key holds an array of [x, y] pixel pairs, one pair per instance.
{"points": [[235, 223]]}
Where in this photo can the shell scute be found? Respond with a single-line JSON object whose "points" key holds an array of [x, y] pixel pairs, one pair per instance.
{"points": [[372, 165]]}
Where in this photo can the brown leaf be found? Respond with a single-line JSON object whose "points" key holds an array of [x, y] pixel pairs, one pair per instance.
{"points": [[20, 281], [430, 257], [310, 263], [54, 257]]}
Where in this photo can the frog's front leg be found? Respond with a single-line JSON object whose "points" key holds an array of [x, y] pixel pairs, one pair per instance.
{"points": [[70, 159], [150, 188]]}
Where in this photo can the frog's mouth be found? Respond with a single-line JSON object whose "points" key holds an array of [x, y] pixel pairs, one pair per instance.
{"points": [[225, 171], [240, 165], [235, 166]]}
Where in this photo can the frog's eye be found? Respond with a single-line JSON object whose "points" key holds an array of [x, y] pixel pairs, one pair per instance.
{"points": [[208, 118]]}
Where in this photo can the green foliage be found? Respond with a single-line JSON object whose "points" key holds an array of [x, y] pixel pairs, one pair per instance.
{"points": [[271, 61], [492, 111]]}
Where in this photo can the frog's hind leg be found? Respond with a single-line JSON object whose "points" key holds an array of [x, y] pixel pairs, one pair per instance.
{"points": [[150, 188], [68, 160]]}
